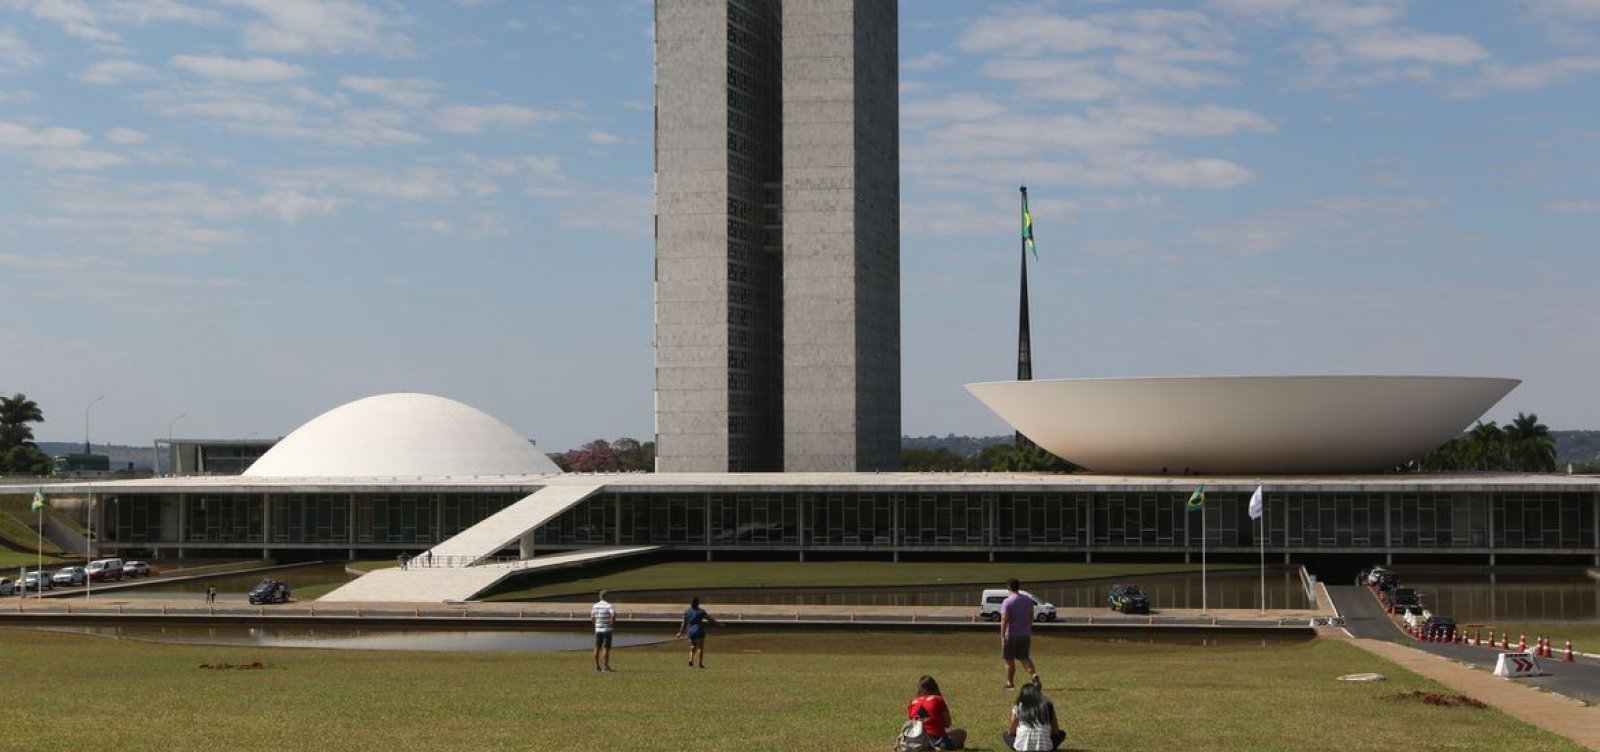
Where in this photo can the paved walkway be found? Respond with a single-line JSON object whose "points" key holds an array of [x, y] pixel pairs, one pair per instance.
{"points": [[438, 584], [1549, 711], [1469, 670]]}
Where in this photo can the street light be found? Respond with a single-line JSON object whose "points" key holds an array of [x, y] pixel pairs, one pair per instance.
{"points": [[170, 456], [86, 422]]}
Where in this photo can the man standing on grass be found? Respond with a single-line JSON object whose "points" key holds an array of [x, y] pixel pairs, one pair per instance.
{"points": [[1016, 631], [604, 617]]}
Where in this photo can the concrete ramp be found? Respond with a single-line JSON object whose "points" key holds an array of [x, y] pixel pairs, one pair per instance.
{"points": [[439, 584], [505, 527]]}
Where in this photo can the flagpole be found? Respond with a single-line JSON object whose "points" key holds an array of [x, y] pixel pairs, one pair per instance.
{"points": [[1262, 539], [88, 546], [1203, 587], [1024, 332], [38, 548]]}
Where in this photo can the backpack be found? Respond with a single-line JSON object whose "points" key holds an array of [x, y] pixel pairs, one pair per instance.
{"points": [[912, 738]]}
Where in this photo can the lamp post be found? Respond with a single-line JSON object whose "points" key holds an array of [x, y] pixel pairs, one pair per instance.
{"points": [[171, 457], [86, 423]]}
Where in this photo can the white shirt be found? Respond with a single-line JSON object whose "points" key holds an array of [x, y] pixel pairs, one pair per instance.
{"points": [[603, 615]]}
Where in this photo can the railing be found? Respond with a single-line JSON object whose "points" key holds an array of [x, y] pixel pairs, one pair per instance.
{"points": [[430, 561], [1308, 581]]}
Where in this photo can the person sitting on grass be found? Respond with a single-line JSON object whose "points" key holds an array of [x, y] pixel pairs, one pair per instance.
{"points": [[929, 707], [1032, 726]]}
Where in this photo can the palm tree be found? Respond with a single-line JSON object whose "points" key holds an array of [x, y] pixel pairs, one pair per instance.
{"points": [[16, 412], [1531, 447], [1488, 446]]}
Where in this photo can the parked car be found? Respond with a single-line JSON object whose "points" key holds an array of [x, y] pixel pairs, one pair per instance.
{"points": [[269, 591], [70, 576], [135, 569], [1128, 599], [1383, 579], [1395, 598], [1440, 627], [7, 587], [37, 580], [989, 605], [103, 570]]}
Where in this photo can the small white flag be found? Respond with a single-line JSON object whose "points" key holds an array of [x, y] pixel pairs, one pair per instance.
{"points": [[1256, 506]]}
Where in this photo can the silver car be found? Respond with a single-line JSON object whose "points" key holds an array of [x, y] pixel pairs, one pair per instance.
{"points": [[69, 576], [7, 586], [36, 581]]}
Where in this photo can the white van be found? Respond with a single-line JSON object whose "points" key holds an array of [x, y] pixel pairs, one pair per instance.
{"points": [[101, 570], [989, 605]]}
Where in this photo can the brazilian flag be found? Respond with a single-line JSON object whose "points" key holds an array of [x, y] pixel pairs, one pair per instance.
{"points": [[1027, 226], [1197, 500]]}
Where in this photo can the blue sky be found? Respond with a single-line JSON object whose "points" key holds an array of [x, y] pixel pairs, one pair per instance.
{"points": [[250, 211]]}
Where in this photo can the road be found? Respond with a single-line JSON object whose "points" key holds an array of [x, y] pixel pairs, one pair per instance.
{"points": [[1365, 617]]}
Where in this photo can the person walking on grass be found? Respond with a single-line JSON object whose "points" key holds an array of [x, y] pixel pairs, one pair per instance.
{"points": [[694, 623], [1016, 632], [604, 617]]}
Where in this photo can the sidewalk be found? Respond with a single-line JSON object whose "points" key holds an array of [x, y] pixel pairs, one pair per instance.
{"points": [[1548, 711]]}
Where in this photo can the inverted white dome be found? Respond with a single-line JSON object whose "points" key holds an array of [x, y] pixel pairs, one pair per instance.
{"points": [[402, 435], [1242, 424]]}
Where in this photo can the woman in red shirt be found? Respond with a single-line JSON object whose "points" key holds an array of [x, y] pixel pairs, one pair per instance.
{"points": [[929, 707]]}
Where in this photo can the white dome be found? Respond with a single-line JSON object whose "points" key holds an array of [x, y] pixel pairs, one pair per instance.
{"points": [[1242, 424], [402, 435]]}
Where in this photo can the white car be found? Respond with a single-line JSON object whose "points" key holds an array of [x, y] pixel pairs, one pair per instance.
{"points": [[989, 605]]}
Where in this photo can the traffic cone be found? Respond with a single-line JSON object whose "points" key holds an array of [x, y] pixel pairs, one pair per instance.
{"points": [[1477, 637], [1491, 637], [1505, 640], [1567, 656], [1522, 642]]}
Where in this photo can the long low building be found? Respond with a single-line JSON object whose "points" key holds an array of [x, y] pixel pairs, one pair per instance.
{"points": [[410, 473], [1529, 517]]}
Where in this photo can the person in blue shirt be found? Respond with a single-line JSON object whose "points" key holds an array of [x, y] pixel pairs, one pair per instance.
{"points": [[695, 620]]}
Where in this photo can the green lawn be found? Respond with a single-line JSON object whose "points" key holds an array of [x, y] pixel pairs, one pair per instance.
{"points": [[781, 574], [1585, 637], [773, 691], [10, 560]]}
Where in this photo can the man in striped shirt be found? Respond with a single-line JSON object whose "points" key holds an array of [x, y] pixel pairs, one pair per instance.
{"points": [[604, 617]]}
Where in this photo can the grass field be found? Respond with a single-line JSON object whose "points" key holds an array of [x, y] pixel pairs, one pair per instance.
{"points": [[10, 560], [1585, 637], [782, 574], [774, 691]]}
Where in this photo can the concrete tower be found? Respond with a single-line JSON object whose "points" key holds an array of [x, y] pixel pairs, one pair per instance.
{"points": [[777, 235]]}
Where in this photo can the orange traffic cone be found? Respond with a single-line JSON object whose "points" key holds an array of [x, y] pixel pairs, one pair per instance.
{"points": [[1477, 637], [1491, 637], [1567, 656], [1505, 640], [1522, 642]]}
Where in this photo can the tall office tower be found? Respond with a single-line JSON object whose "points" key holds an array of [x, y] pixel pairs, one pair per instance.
{"points": [[777, 235]]}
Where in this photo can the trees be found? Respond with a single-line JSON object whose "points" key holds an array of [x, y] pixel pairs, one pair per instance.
{"points": [[18, 453], [1525, 445], [623, 455]]}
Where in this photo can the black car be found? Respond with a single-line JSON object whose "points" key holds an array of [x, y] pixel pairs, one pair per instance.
{"points": [[1440, 627], [1384, 579], [1128, 599], [269, 591], [1395, 598]]}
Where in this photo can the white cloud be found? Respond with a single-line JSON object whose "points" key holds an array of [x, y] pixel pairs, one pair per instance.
{"points": [[126, 136], [407, 92], [1338, 223], [603, 138], [75, 159], [1574, 205], [414, 184], [16, 136], [473, 119], [91, 20], [925, 62], [106, 72], [962, 106], [1579, 10], [257, 69], [330, 26], [292, 206], [15, 52], [1393, 46], [1531, 76]]}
